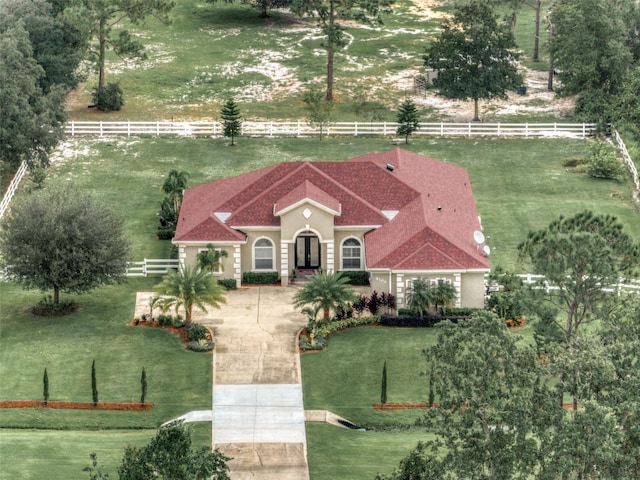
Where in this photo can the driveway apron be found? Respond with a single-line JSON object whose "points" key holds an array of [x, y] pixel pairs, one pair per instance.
{"points": [[258, 414]]}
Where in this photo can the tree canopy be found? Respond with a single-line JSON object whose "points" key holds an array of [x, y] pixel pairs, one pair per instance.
{"points": [[62, 239], [474, 56], [329, 12]]}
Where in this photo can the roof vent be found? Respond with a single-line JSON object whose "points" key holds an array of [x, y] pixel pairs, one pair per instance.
{"points": [[390, 167], [390, 214]]}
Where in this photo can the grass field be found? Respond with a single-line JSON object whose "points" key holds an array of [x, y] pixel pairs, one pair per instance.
{"points": [[213, 51]]}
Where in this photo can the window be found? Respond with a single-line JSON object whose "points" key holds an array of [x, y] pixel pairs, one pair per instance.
{"points": [[263, 254], [351, 254]]}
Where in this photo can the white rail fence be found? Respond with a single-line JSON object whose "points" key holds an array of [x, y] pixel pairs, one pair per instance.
{"points": [[627, 159], [151, 266], [302, 128], [13, 186], [628, 285]]}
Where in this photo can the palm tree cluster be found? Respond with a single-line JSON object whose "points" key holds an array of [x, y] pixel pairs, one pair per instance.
{"points": [[326, 292], [423, 297]]}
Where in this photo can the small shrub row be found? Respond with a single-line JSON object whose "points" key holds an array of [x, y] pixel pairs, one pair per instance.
{"points": [[451, 312], [356, 277], [228, 283], [197, 332], [260, 278], [326, 329], [413, 321], [165, 320]]}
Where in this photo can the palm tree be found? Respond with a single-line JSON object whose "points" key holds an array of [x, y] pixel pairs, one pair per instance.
{"points": [[189, 287], [420, 296], [174, 187], [443, 295], [209, 259], [325, 291]]}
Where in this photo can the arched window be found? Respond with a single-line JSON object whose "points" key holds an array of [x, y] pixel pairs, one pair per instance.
{"points": [[351, 253], [263, 254]]}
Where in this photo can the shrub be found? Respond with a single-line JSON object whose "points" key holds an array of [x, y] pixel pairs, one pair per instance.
{"points": [[326, 329], [356, 277], [166, 232], [177, 321], [360, 304], [603, 161], [373, 303], [201, 346], [165, 320], [197, 332], [228, 283], [573, 162], [109, 98], [260, 278], [318, 343], [412, 321]]}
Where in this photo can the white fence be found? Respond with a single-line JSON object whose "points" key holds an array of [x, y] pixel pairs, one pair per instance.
{"points": [[627, 159], [629, 286], [13, 186], [301, 128], [151, 266]]}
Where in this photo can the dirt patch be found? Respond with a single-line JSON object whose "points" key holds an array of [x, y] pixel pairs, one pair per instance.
{"points": [[75, 405]]}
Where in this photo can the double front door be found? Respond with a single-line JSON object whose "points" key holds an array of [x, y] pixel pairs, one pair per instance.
{"points": [[307, 252]]}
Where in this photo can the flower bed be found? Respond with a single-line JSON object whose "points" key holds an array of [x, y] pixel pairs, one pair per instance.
{"points": [[75, 405]]}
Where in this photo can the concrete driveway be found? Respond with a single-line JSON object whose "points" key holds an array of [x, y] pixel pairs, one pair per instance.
{"points": [[258, 414]]}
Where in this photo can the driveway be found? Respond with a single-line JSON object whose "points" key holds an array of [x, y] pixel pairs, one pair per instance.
{"points": [[258, 414]]}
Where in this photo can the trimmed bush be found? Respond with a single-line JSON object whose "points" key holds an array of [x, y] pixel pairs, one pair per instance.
{"points": [[326, 329], [201, 346], [410, 321], [318, 343], [228, 283], [165, 320], [260, 278], [603, 161], [109, 98], [177, 321], [197, 332], [357, 277]]}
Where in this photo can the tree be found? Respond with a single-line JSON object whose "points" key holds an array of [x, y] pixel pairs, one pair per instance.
{"points": [[474, 56], [100, 17], [58, 45], [174, 187], [318, 109], [325, 291], [231, 119], [171, 456], [45, 387], [188, 287], [143, 386], [444, 294], [94, 384], [329, 12], [62, 239], [408, 119], [582, 257], [590, 52], [419, 296], [95, 472], [383, 386], [484, 384], [210, 259], [31, 120]]}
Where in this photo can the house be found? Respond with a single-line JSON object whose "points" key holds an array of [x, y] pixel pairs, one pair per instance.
{"points": [[397, 214]]}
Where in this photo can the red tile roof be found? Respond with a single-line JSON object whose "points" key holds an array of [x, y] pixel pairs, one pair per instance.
{"points": [[432, 230]]}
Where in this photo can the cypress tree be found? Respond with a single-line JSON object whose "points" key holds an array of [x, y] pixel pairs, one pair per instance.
{"points": [[94, 385], [408, 119], [45, 387], [383, 393], [431, 394], [143, 385]]}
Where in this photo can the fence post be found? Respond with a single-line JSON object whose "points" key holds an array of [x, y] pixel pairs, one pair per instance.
{"points": [[442, 129], [128, 128], [73, 128], [144, 268], [101, 128], [355, 127]]}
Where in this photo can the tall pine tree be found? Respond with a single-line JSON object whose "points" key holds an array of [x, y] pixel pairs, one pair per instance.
{"points": [[408, 119], [231, 119]]}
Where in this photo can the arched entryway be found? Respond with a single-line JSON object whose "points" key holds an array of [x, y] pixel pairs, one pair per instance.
{"points": [[308, 252]]}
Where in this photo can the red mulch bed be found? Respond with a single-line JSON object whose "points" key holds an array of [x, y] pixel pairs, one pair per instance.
{"points": [[181, 332], [402, 406], [75, 405]]}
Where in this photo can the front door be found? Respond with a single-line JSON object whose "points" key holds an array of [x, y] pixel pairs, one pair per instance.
{"points": [[308, 252]]}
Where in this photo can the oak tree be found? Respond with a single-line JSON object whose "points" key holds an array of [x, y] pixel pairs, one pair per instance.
{"points": [[474, 56]]}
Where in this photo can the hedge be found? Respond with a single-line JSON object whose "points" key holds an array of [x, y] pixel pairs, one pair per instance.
{"points": [[413, 321], [260, 278], [356, 277]]}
